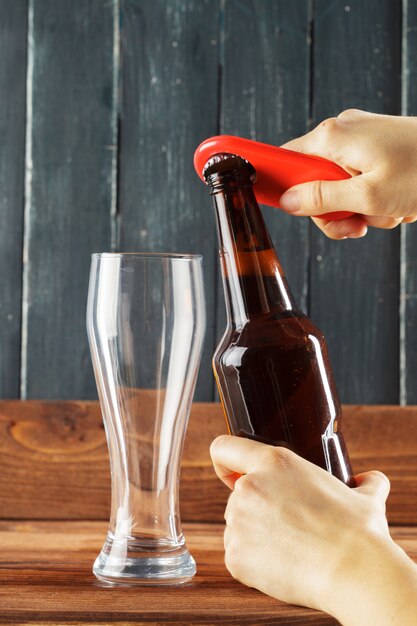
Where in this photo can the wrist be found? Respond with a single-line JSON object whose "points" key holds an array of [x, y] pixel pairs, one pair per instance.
{"points": [[375, 584]]}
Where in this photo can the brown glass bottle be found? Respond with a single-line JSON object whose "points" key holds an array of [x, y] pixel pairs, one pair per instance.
{"points": [[271, 366]]}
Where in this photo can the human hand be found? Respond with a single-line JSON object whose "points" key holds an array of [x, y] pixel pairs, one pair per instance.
{"points": [[299, 534], [380, 153]]}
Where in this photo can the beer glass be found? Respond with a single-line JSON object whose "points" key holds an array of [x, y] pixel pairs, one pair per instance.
{"points": [[145, 324]]}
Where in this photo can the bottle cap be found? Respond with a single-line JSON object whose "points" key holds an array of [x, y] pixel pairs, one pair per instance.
{"points": [[225, 163], [277, 169]]}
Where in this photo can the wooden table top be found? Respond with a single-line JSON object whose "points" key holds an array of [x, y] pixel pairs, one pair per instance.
{"points": [[54, 508], [46, 578]]}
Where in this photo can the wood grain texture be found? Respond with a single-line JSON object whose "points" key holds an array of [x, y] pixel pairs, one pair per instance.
{"points": [[45, 574], [54, 463], [355, 284], [71, 145], [13, 42], [408, 309], [265, 96], [169, 62], [45, 577]]}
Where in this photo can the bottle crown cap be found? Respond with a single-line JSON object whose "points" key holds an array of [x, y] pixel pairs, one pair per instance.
{"points": [[225, 163]]}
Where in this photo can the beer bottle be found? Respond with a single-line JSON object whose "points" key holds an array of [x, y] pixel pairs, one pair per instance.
{"points": [[271, 366]]}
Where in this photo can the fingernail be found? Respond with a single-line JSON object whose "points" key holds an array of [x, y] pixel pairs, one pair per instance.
{"points": [[355, 235], [290, 201]]}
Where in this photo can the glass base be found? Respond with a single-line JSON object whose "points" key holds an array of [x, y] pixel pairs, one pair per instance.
{"points": [[147, 567]]}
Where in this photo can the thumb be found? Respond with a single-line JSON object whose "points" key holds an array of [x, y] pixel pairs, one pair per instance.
{"points": [[234, 456], [323, 196], [374, 484]]}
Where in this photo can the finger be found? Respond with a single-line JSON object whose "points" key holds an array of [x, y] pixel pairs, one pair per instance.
{"points": [[304, 144], [383, 222], [373, 483], [352, 227], [233, 456], [323, 196], [230, 506], [336, 139], [355, 226], [226, 537], [317, 141], [409, 220]]}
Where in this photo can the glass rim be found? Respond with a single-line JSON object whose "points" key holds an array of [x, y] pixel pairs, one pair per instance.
{"points": [[175, 256]]}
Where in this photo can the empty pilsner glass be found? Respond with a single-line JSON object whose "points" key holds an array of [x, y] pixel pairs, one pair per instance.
{"points": [[145, 323]]}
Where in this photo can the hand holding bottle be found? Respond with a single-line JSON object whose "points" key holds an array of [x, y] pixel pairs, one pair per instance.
{"points": [[380, 152], [333, 552]]}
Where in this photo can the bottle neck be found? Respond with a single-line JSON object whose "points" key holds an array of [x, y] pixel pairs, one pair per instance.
{"points": [[253, 281]]}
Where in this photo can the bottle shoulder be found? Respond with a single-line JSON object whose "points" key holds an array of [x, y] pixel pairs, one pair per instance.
{"points": [[291, 330]]}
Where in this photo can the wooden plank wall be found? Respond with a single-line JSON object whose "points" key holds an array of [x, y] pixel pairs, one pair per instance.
{"points": [[265, 95], [69, 178], [355, 283], [169, 76], [101, 106], [408, 273], [13, 41]]}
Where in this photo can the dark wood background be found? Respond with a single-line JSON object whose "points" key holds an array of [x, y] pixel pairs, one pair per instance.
{"points": [[102, 103]]}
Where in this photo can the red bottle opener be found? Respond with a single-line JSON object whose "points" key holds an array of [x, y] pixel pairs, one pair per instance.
{"points": [[277, 169]]}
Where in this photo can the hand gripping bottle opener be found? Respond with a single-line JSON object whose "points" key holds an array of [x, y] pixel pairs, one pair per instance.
{"points": [[277, 169]]}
